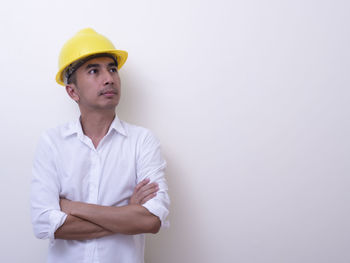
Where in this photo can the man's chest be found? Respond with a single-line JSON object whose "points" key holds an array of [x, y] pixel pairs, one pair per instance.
{"points": [[106, 176]]}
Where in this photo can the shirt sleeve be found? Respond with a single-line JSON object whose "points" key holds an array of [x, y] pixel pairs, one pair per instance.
{"points": [[150, 164], [46, 214]]}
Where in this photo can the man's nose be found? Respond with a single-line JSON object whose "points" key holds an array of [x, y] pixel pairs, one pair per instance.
{"points": [[107, 78]]}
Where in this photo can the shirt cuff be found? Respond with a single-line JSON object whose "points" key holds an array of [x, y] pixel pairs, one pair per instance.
{"points": [[153, 207], [57, 219]]}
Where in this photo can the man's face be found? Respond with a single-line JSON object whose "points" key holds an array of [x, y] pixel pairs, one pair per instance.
{"points": [[97, 85]]}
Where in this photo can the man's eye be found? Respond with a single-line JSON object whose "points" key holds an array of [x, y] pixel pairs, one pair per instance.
{"points": [[93, 71], [113, 69]]}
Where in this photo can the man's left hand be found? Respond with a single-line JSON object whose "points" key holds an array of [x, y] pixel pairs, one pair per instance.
{"points": [[143, 192]]}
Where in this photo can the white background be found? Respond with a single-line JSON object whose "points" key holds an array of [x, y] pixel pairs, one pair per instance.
{"points": [[249, 98]]}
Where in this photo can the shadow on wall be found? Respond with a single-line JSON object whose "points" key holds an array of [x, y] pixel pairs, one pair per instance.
{"points": [[137, 107], [182, 221], [133, 100]]}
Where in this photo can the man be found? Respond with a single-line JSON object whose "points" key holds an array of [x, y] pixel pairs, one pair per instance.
{"points": [[98, 183]]}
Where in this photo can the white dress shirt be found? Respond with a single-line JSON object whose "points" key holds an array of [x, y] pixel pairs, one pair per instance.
{"points": [[67, 165]]}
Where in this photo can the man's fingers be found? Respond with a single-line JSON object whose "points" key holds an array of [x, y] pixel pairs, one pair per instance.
{"points": [[141, 184], [144, 185], [144, 191], [148, 194], [147, 187], [149, 191], [149, 197]]}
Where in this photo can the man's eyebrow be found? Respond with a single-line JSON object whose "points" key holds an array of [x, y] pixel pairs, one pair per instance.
{"points": [[92, 66], [112, 64]]}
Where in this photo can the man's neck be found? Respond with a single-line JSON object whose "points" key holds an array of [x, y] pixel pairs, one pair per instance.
{"points": [[95, 125]]}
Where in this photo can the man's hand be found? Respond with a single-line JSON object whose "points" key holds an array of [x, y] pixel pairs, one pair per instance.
{"points": [[67, 206], [143, 192]]}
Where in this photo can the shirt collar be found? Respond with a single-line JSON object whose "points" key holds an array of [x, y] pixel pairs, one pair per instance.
{"points": [[75, 128], [117, 126]]}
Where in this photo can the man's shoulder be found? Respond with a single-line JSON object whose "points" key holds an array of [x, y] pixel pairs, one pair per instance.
{"points": [[137, 132], [133, 129], [59, 131]]}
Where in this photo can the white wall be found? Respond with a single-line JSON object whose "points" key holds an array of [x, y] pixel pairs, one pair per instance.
{"points": [[249, 98]]}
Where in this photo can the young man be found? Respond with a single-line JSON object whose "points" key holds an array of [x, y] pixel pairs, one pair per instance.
{"points": [[98, 183]]}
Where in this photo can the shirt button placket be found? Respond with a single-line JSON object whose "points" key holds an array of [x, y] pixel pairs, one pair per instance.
{"points": [[94, 178], [93, 194]]}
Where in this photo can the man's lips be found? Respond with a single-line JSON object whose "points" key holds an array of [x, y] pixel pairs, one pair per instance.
{"points": [[109, 92]]}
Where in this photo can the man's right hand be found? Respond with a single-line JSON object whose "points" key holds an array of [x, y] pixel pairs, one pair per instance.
{"points": [[143, 192]]}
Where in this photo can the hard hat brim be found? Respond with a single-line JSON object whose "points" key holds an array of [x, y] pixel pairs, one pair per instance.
{"points": [[121, 56]]}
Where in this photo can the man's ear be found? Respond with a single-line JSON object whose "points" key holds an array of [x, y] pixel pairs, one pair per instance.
{"points": [[72, 92]]}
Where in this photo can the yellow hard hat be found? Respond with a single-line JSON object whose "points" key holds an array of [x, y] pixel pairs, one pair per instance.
{"points": [[85, 43]]}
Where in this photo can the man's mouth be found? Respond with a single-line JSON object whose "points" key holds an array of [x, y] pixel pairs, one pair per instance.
{"points": [[109, 92]]}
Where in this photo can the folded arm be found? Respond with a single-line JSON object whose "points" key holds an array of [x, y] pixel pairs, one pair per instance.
{"points": [[87, 221], [75, 228], [130, 219]]}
